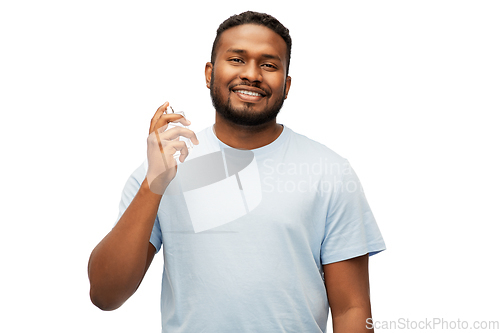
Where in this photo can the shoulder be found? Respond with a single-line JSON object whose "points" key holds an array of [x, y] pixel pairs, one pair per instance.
{"points": [[312, 149]]}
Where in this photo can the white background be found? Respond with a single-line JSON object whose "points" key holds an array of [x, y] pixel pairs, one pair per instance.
{"points": [[408, 91]]}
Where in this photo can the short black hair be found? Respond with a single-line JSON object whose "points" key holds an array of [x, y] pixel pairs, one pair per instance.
{"points": [[250, 17]]}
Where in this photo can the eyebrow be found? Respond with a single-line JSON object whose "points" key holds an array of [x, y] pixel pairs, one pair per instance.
{"points": [[265, 55]]}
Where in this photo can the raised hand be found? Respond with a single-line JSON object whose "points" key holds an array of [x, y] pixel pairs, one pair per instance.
{"points": [[162, 145]]}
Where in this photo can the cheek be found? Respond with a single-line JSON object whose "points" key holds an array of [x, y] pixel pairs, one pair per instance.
{"points": [[278, 85], [224, 73]]}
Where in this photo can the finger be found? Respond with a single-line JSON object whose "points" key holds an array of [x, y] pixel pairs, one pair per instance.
{"points": [[170, 147], [161, 129], [157, 116], [182, 120], [164, 119], [178, 131]]}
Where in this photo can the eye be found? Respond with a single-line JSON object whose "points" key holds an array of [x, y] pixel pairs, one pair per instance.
{"points": [[270, 66], [236, 60]]}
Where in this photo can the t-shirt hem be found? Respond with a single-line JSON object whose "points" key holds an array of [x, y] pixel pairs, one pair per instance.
{"points": [[156, 243], [353, 254]]}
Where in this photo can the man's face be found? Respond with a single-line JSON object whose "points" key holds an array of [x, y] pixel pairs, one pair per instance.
{"points": [[248, 81]]}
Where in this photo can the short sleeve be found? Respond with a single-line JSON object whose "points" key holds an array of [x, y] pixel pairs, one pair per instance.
{"points": [[350, 228], [128, 193]]}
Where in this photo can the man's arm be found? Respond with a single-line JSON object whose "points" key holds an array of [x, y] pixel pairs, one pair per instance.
{"points": [[348, 290], [119, 262]]}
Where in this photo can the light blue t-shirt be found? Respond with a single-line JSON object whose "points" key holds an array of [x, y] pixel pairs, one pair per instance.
{"points": [[244, 242]]}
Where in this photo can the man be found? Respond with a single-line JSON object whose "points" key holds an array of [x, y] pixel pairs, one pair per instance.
{"points": [[264, 245]]}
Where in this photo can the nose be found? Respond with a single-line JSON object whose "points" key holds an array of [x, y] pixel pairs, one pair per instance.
{"points": [[251, 72]]}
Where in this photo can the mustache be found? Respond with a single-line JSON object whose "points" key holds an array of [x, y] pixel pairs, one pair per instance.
{"points": [[249, 84]]}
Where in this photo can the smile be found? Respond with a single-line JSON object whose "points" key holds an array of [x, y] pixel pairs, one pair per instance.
{"points": [[246, 92]]}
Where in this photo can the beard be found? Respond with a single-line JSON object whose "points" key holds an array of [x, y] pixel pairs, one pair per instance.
{"points": [[245, 116]]}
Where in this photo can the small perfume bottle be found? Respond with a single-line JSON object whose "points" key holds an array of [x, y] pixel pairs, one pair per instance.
{"points": [[188, 142]]}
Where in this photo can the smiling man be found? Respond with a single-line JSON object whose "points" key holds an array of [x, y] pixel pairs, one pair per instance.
{"points": [[300, 229]]}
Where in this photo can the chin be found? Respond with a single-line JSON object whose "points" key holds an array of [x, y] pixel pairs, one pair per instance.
{"points": [[245, 116]]}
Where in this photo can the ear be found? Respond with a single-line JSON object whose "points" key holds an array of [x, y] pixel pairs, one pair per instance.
{"points": [[208, 73], [288, 83]]}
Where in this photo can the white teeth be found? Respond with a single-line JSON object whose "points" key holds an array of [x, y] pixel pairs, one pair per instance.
{"points": [[248, 93]]}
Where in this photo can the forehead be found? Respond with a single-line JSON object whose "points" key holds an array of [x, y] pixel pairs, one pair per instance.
{"points": [[252, 38]]}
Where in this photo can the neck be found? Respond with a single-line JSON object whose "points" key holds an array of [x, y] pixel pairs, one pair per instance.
{"points": [[246, 137]]}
